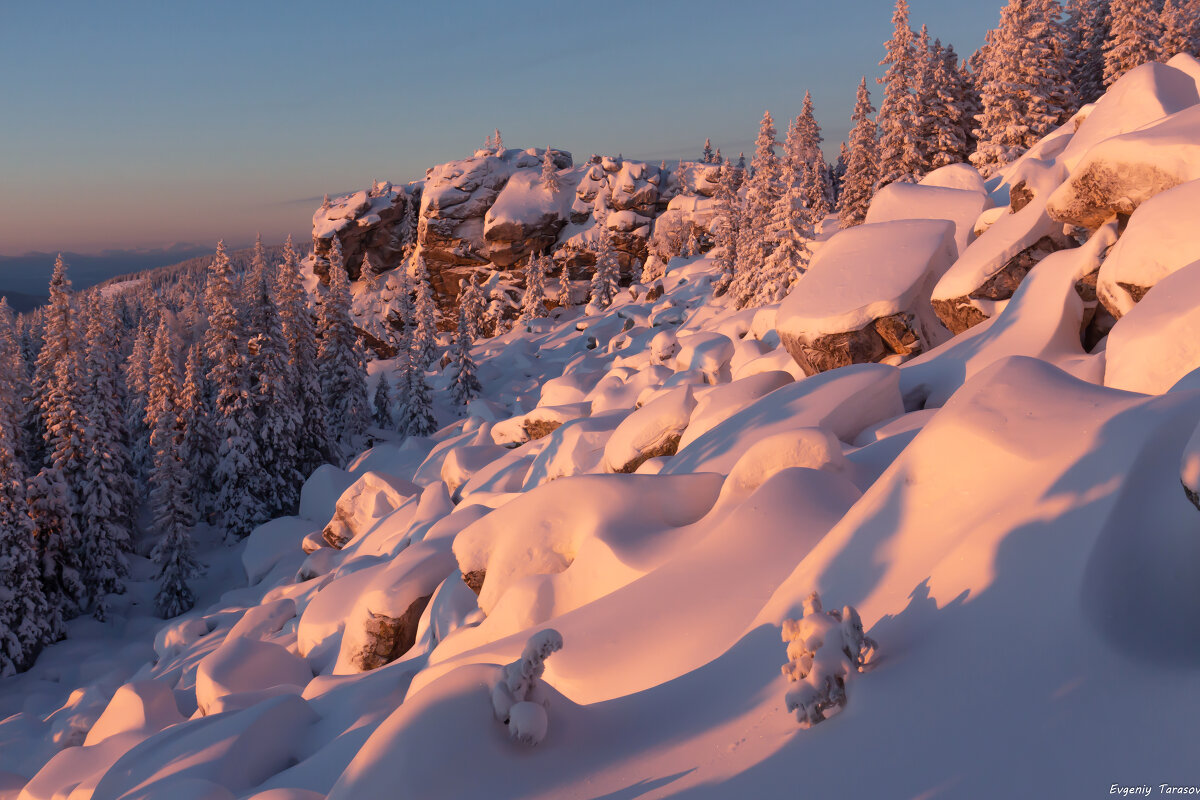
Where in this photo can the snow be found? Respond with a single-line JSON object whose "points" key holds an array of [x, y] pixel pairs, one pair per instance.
{"points": [[1157, 241], [898, 201], [648, 430], [246, 665], [868, 272], [956, 176], [1158, 341]]}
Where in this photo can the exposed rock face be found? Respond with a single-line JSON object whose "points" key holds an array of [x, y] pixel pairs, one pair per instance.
{"points": [[380, 223], [894, 334], [668, 448], [388, 638], [960, 313], [474, 580]]}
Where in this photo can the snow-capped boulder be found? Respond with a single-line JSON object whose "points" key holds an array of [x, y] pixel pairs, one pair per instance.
{"points": [[380, 223], [811, 448], [866, 295], [651, 431], [1119, 174], [985, 275], [541, 421], [1159, 239], [898, 201], [143, 706], [956, 176], [1158, 341], [721, 402], [573, 448], [707, 351], [526, 217], [464, 461], [247, 665], [1139, 97], [366, 501], [320, 493]]}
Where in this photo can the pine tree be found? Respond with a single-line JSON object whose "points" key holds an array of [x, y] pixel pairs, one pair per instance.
{"points": [[416, 410], [899, 151], [137, 373], [383, 403], [235, 476], [925, 60], [57, 378], [369, 273], [472, 303], [946, 141], [1024, 83], [497, 142], [727, 230], [681, 178], [16, 392], [27, 620], [1087, 22], [272, 400], [1181, 28], [764, 187], [169, 497], [313, 446], [198, 446], [791, 230], [707, 156], [106, 500], [59, 545], [862, 167], [343, 376], [605, 275], [564, 290], [550, 181], [533, 302], [803, 145], [465, 387], [1134, 35], [425, 315]]}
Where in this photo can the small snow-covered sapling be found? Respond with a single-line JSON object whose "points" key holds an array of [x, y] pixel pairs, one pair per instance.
{"points": [[824, 648], [519, 699]]}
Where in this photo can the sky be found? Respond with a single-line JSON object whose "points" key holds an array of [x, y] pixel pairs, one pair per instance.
{"points": [[140, 124]]}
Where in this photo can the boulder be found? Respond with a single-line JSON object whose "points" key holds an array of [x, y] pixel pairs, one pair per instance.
{"points": [[1158, 240], [242, 665], [1158, 341], [381, 223], [370, 498], [866, 295], [915, 201]]}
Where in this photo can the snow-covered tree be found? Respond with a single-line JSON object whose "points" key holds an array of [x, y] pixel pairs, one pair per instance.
{"points": [[1024, 83], [1087, 26], [707, 156], [106, 496], [57, 379], [605, 275], [137, 382], [497, 142], [273, 400], [425, 315], [198, 447], [802, 149], [369, 273], [1180, 27], [383, 403], [169, 498], [727, 230], [765, 185], [824, 650], [899, 147], [533, 301], [416, 409], [472, 303], [27, 621], [465, 387], [519, 699], [550, 181], [653, 269], [563, 298], [862, 167], [313, 446], [790, 232], [235, 475], [1134, 37], [59, 544], [944, 113], [343, 376], [15, 390]]}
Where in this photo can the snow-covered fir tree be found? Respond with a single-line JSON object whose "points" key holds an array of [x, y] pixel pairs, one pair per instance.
{"points": [[343, 377], [765, 185], [497, 142], [549, 179], [16, 390], [106, 496], [384, 418], [59, 545], [563, 297], [169, 498], [533, 301], [1087, 27], [728, 223], [944, 113], [198, 447], [472, 302], [313, 446], [416, 407], [272, 399], [707, 156], [605, 275], [1180, 28], [27, 622], [790, 231], [1024, 83], [899, 148], [862, 166], [424, 314], [235, 476], [465, 387], [137, 381], [57, 378], [1134, 37], [803, 148]]}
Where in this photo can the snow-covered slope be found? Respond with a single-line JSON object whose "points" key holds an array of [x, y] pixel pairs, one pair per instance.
{"points": [[660, 486]]}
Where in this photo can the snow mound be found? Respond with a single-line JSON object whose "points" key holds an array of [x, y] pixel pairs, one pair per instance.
{"points": [[653, 430], [1157, 241], [142, 706], [1158, 341], [824, 649], [247, 665], [898, 201], [956, 176], [360, 507]]}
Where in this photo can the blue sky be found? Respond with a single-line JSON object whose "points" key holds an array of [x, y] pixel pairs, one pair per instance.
{"points": [[136, 124]]}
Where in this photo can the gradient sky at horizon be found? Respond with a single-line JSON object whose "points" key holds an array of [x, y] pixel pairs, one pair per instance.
{"points": [[138, 124]]}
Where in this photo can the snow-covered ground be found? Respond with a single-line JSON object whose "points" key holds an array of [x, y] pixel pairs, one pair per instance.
{"points": [[662, 486]]}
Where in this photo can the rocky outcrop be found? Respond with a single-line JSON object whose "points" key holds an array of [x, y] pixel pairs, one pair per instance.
{"points": [[380, 223], [894, 334], [388, 638]]}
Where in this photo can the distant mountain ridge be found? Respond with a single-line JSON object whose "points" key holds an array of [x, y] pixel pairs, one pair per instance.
{"points": [[29, 273]]}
